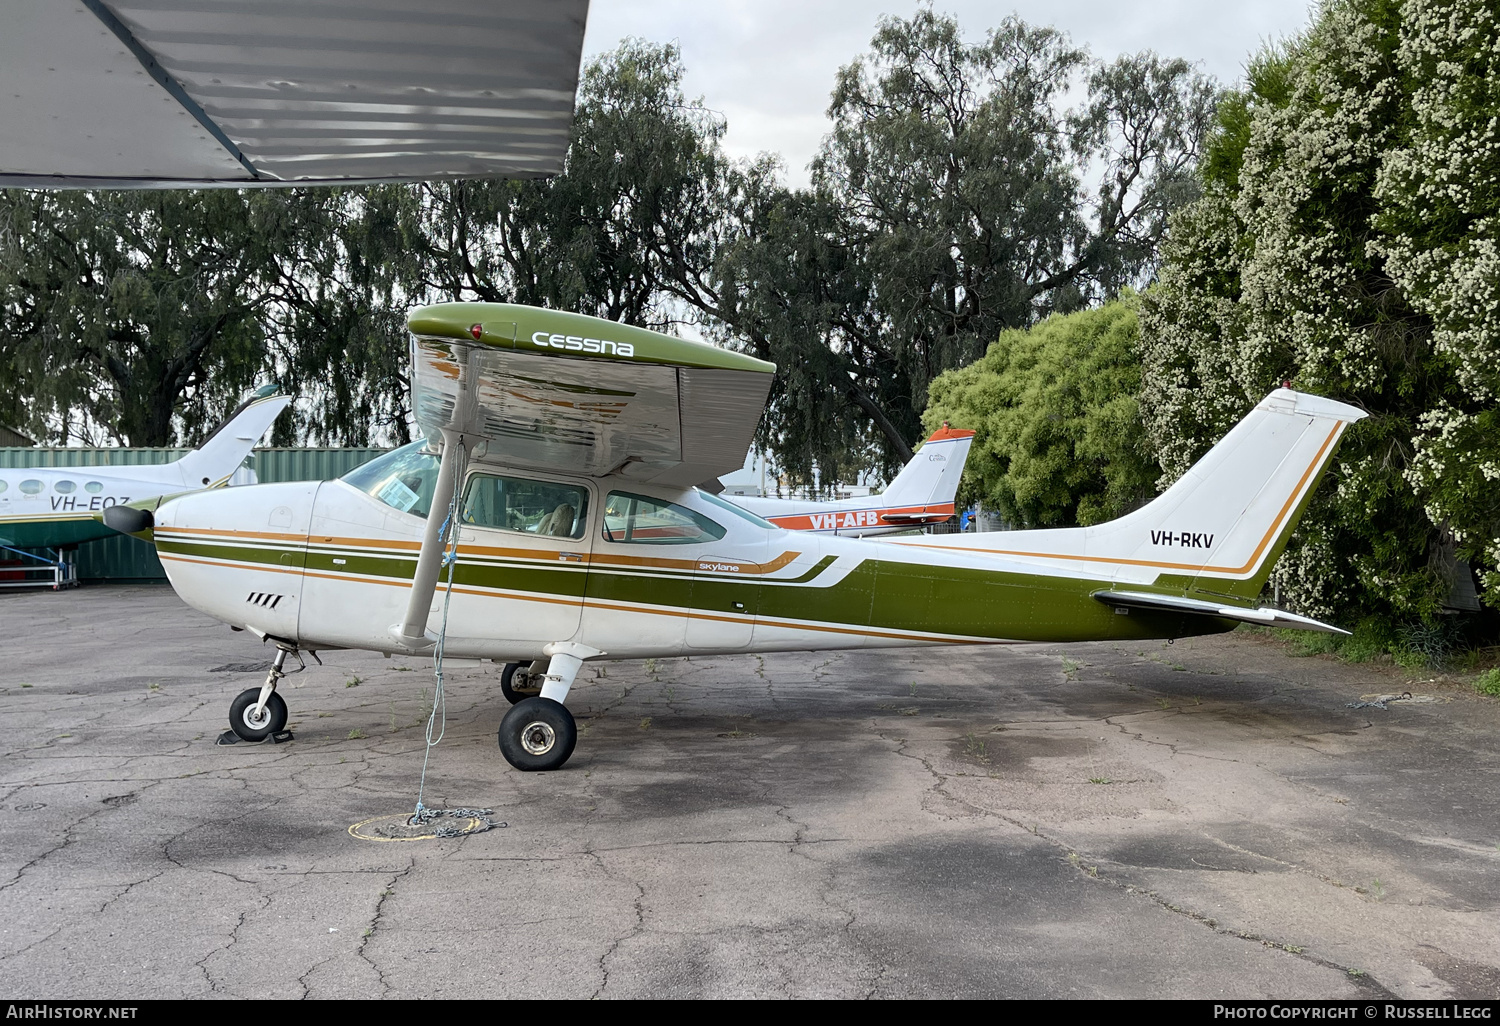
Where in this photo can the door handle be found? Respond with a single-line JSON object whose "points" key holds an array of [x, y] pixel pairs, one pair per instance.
{"points": [[571, 557]]}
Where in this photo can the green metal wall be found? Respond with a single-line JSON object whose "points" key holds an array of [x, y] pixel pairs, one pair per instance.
{"points": [[125, 558]]}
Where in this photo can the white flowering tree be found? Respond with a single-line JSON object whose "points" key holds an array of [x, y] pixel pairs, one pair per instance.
{"points": [[1346, 242]]}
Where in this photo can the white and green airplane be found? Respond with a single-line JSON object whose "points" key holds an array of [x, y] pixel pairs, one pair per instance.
{"points": [[57, 507], [564, 451]]}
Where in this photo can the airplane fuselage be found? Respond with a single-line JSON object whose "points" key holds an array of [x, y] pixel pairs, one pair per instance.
{"points": [[330, 566], [53, 507]]}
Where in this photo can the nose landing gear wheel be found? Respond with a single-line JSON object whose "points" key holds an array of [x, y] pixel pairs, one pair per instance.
{"points": [[537, 734], [248, 726], [517, 684]]}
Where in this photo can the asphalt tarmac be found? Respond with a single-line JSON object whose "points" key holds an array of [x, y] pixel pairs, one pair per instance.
{"points": [[1205, 820]]}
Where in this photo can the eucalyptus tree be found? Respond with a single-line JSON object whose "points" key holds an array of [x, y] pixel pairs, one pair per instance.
{"points": [[948, 204], [141, 317]]}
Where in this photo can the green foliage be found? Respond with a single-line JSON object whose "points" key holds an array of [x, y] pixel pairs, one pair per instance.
{"points": [[1345, 242], [1058, 437], [141, 317], [1488, 682]]}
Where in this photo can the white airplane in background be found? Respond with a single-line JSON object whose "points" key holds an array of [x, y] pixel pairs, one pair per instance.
{"points": [[555, 496], [55, 507], [922, 493]]}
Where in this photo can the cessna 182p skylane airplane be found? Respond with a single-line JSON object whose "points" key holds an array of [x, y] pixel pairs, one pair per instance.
{"points": [[569, 448]]}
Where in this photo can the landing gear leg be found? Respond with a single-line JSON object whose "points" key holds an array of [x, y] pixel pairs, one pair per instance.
{"points": [[257, 713], [539, 733]]}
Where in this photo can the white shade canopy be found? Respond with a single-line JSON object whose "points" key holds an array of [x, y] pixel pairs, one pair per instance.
{"points": [[142, 93]]}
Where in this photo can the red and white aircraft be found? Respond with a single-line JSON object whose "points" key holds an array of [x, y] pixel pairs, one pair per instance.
{"points": [[921, 494]]}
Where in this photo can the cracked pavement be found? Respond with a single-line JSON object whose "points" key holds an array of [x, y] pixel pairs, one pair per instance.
{"points": [[1204, 820]]}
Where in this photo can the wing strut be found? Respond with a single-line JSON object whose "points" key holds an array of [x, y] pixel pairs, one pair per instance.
{"points": [[412, 632]]}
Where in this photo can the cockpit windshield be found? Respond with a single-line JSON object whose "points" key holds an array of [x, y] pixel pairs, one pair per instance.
{"points": [[404, 478]]}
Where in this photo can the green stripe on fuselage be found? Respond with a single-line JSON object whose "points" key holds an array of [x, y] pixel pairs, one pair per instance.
{"points": [[877, 594]]}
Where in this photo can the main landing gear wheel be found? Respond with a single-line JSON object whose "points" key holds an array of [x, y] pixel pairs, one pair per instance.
{"points": [[249, 727], [518, 684], [538, 734]]}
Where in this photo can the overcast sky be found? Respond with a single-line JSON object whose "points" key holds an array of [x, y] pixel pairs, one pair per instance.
{"points": [[768, 65]]}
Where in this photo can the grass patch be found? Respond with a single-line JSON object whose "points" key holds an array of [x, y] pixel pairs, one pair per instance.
{"points": [[1488, 682], [1415, 647], [974, 749]]}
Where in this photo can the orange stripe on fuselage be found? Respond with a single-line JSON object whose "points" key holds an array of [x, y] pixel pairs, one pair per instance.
{"points": [[548, 555]]}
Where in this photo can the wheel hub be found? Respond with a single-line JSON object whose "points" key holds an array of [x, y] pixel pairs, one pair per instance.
{"points": [[255, 719], [538, 738]]}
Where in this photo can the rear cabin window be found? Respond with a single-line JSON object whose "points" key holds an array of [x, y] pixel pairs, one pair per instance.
{"points": [[31, 487], [642, 520], [404, 478], [531, 507]]}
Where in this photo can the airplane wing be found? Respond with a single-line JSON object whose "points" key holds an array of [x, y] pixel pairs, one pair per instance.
{"points": [[1265, 616], [568, 392], [177, 93]]}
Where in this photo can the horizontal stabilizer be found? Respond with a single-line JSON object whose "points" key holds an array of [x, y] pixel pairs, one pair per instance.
{"points": [[915, 518], [1264, 616]]}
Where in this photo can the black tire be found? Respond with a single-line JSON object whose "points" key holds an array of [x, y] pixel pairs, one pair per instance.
{"points": [[274, 718], [537, 734], [508, 688]]}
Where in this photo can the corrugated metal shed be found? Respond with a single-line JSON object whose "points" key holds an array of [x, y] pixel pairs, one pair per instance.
{"points": [[124, 558]]}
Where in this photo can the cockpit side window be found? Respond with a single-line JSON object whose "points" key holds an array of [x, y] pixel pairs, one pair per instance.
{"points": [[403, 479], [519, 504], [642, 520]]}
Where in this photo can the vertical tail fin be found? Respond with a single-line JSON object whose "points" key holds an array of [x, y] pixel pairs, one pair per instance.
{"points": [[932, 475], [222, 452], [1220, 527], [1225, 521]]}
